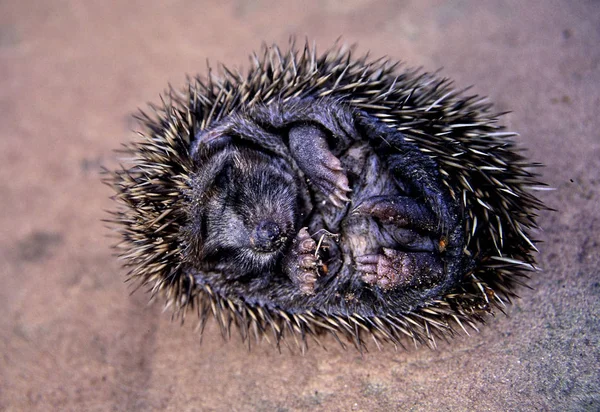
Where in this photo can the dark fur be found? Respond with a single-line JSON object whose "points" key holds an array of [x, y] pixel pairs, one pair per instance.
{"points": [[293, 163]]}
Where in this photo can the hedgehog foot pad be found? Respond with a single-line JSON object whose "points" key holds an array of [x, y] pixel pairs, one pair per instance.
{"points": [[301, 265], [395, 268]]}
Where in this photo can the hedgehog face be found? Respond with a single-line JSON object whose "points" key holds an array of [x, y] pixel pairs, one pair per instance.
{"points": [[249, 215]]}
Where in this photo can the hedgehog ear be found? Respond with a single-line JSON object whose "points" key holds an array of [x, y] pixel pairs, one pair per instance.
{"points": [[209, 140], [213, 165], [224, 179]]}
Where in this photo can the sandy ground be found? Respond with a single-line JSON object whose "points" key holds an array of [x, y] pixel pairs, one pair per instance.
{"points": [[71, 337]]}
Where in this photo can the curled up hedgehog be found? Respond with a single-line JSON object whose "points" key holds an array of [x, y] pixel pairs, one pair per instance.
{"points": [[326, 193]]}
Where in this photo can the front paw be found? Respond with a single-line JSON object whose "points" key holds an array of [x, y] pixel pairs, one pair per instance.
{"points": [[301, 263], [322, 168]]}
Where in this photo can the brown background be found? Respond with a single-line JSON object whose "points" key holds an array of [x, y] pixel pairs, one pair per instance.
{"points": [[71, 337]]}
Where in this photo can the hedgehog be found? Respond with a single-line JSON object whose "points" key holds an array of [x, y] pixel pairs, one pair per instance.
{"points": [[326, 193]]}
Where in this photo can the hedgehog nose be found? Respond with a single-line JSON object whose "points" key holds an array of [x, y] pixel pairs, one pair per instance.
{"points": [[267, 233]]}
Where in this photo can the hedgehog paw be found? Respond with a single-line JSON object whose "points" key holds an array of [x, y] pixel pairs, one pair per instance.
{"points": [[396, 268], [324, 170], [388, 270], [301, 263]]}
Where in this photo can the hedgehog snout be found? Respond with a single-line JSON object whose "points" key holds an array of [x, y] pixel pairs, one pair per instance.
{"points": [[267, 236]]}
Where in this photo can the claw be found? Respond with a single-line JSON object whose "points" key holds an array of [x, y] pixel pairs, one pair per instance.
{"points": [[308, 277], [343, 197], [307, 245], [335, 165], [344, 186], [307, 261]]}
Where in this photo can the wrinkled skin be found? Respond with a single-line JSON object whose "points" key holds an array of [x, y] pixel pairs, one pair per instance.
{"points": [[308, 203]]}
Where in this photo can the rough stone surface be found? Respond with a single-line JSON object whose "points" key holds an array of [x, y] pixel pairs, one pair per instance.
{"points": [[71, 337]]}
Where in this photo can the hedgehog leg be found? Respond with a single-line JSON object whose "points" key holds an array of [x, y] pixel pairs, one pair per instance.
{"points": [[411, 223], [215, 137], [417, 171], [308, 145], [301, 263], [402, 211], [414, 228], [395, 268]]}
